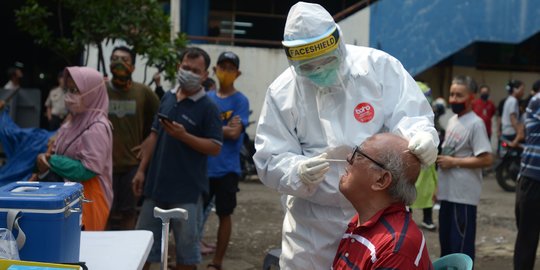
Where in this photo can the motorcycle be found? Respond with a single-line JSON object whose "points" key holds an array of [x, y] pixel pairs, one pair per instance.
{"points": [[507, 170], [246, 158], [246, 155]]}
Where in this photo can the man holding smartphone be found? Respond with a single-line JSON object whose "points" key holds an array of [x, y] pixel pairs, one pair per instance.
{"points": [[176, 154], [163, 117]]}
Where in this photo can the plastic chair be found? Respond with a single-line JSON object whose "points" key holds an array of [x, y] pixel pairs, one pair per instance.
{"points": [[455, 261]]}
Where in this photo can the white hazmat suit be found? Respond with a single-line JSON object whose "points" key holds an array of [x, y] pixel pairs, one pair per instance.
{"points": [[300, 119]]}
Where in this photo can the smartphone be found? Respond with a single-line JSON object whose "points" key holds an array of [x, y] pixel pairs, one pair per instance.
{"points": [[164, 117]]}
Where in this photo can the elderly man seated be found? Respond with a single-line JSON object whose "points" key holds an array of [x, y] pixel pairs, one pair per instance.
{"points": [[379, 182]]}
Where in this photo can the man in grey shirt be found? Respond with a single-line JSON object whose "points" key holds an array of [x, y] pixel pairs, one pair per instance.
{"points": [[466, 149], [510, 120]]}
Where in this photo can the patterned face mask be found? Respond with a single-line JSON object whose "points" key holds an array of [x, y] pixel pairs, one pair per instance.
{"points": [[189, 81], [121, 74]]}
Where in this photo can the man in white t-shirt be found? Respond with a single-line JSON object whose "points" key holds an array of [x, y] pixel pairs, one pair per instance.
{"points": [[465, 151], [510, 119], [56, 109], [15, 75]]}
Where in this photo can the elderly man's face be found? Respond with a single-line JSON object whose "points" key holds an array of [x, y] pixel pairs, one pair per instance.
{"points": [[362, 171], [367, 176]]}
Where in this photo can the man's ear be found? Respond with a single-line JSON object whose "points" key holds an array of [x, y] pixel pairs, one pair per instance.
{"points": [[383, 182], [238, 74]]}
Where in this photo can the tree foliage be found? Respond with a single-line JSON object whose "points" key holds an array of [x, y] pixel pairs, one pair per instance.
{"points": [[142, 24]]}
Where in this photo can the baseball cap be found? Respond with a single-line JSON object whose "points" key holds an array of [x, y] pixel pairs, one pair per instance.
{"points": [[229, 56], [18, 65]]}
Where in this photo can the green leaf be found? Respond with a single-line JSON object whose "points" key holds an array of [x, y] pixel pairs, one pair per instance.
{"points": [[142, 24]]}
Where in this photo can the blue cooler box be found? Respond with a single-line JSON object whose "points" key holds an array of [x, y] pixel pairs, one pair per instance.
{"points": [[50, 217]]}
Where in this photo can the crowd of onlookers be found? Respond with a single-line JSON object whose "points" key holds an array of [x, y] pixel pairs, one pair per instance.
{"points": [[454, 182], [131, 149]]}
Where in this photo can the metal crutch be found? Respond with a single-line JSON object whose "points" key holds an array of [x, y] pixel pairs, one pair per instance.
{"points": [[166, 216]]}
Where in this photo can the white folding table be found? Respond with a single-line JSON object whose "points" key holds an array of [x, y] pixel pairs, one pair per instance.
{"points": [[119, 250]]}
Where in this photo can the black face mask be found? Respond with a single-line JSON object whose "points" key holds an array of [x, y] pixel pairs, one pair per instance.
{"points": [[484, 97], [457, 108]]}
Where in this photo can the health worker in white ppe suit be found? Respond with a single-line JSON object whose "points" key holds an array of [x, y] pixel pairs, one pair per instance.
{"points": [[333, 96]]}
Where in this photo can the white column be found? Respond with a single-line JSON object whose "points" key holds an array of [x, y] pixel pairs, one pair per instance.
{"points": [[175, 18]]}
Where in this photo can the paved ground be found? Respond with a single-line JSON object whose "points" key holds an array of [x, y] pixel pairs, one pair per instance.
{"points": [[257, 226]]}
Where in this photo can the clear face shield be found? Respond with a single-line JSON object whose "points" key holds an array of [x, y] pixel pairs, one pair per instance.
{"points": [[318, 63]]}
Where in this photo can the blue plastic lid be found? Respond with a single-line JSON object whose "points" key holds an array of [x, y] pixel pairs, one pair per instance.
{"points": [[39, 195]]}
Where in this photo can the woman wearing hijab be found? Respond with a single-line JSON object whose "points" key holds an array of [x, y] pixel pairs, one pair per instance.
{"points": [[83, 147]]}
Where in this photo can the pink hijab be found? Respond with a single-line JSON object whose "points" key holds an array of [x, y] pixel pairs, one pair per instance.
{"points": [[88, 136]]}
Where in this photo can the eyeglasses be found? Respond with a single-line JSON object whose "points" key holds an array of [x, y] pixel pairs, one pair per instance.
{"points": [[314, 65], [357, 150]]}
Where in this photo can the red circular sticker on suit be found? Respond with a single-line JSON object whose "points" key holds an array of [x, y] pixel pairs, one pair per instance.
{"points": [[364, 112]]}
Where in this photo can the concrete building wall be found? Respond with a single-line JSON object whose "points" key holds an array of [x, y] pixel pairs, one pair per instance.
{"points": [[355, 28]]}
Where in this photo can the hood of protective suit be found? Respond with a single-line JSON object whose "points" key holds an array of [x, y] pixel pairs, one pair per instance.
{"points": [[306, 22], [312, 39]]}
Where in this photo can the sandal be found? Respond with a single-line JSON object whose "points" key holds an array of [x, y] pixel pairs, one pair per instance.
{"points": [[215, 266], [206, 250], [209, 245]]}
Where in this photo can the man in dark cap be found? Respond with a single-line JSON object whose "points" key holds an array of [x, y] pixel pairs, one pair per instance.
{"points": [[224, 170]]}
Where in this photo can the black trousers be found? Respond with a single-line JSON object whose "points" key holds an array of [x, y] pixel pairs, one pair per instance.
{"points": [[457, 228], [55, 122], [528, 222]]}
